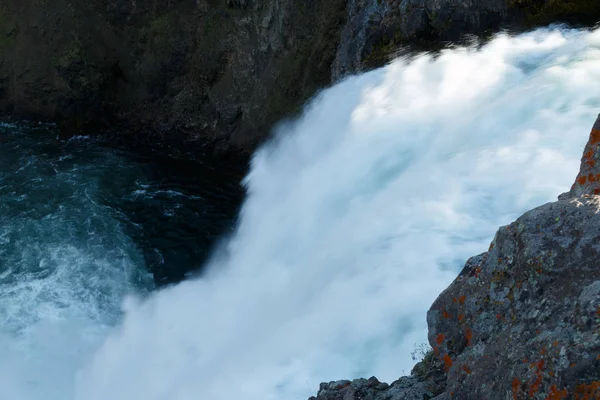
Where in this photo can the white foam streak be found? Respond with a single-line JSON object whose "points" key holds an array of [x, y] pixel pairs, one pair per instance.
{"points": [[358, 215]]}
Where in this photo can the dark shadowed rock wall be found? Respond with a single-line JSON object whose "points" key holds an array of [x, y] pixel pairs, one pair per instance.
{"points": [[215, 73], [195, 75], [377, 28]]}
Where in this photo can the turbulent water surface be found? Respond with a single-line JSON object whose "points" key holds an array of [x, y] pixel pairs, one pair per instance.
{"points": [[82, 226], [357, 216]]}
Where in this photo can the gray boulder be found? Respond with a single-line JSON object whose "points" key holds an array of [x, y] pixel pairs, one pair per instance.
{"points": [[521, 321]]}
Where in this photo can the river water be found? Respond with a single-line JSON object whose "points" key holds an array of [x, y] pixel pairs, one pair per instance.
{"points": [[356, 216]]}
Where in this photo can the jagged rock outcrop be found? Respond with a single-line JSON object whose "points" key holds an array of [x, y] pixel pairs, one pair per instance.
{"points": [[427, 381], [376, 28], [521, 321], [202, 74]]}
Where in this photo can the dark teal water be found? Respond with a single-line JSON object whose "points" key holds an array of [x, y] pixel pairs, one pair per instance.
{"points": [[89, 195], [82, 227]]}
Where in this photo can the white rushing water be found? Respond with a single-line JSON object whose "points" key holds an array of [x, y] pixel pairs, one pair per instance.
{"points": [[65, 263], [357, 216]]}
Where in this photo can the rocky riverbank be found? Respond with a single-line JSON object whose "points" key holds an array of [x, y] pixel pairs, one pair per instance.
{"points": [[521, 321], [188, 76]]}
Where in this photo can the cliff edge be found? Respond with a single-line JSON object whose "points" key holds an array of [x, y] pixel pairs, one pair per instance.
{"points": [[521, 321], [204, 75]]}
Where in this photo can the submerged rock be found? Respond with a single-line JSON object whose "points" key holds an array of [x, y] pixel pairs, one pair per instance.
{"points": [[521, 321]]}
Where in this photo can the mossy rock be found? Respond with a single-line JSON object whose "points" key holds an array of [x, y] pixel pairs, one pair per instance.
{"points": [[425, 367]]}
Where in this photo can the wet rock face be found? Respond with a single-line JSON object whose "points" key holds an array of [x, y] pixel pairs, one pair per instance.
{"points": [[376, 29], [522, 321]]}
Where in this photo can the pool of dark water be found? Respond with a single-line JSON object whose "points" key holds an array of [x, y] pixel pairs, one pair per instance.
{"points": [[52, 189]]}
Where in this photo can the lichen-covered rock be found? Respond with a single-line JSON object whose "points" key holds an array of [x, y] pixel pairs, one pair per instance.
{"points": [[588, 179], [522, 321]]}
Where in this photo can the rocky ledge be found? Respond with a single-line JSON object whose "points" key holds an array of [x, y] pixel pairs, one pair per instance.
{"points": [[521, 321]]}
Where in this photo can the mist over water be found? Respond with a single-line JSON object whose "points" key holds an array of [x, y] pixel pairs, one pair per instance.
{"points": [[357, 216]]}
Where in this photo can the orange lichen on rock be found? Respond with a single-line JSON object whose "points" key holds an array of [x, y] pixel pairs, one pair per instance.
{"points": [[516, 387], [461, 299], [447, 362], [591, 163], [466, 369], [535, 385], [469, 336], [589, 391], [595, 136], [557, 394], [588, 179], [440, 338], [588, 159]]}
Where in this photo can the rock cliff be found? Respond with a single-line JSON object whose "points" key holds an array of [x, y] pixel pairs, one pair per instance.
{"points": [[376, 29], [215, 73], [521, 321], [198, 75]]}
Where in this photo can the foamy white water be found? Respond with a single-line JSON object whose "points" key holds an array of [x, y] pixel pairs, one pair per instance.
{"points": [[358, 215], [65, 263]]}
